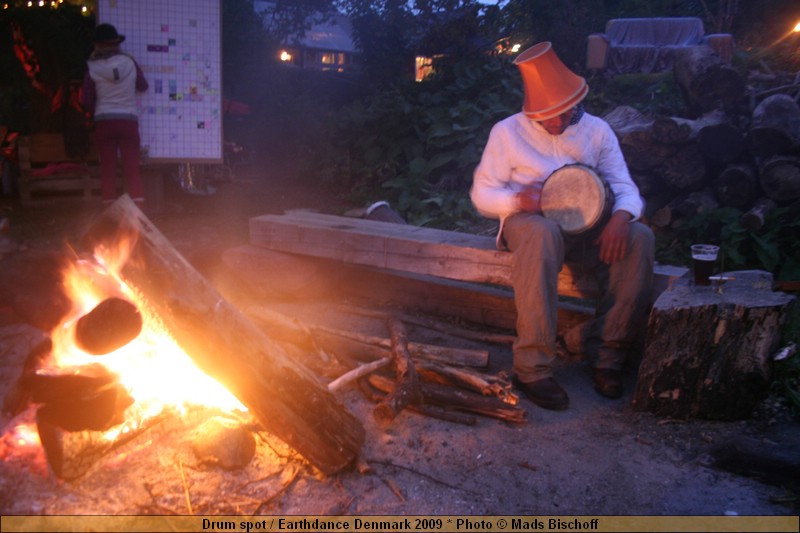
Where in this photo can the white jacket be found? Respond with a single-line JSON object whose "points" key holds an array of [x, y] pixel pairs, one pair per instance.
{"points": [[521, 152], [115, 81]]}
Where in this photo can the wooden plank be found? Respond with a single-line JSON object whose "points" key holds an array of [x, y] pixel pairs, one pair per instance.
{"points": [[390, 246], [282, 275], [414, 249]]}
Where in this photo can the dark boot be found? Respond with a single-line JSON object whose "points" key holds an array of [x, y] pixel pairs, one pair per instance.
{"points": [[546, 393]]}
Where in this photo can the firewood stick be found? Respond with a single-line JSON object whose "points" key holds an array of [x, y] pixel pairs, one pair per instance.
{"points": [[441, 413], [406, 390], [357, 373], [322, 336], [289, 325], [482, 384], [442, 395], [445, 354], [435, 325]]}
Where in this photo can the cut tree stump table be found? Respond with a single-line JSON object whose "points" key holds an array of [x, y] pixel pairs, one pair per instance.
{"points": [[708, 349]]}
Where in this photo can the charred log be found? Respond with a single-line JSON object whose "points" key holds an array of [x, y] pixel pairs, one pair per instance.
{"points": [[112, 324]]}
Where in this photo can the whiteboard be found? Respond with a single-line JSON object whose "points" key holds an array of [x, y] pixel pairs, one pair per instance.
{"points": [[178, 45]]}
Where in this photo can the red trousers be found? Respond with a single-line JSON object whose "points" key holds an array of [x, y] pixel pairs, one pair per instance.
{"points": [[113, 137]]}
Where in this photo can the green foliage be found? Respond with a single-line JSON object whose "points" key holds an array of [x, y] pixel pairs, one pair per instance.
{"points": [[418, 144], [773, 248], [787, 371], [655, 93], [56, 43]]}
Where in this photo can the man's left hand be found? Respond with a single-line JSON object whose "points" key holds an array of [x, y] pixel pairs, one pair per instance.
{"points": [[613, 240]]}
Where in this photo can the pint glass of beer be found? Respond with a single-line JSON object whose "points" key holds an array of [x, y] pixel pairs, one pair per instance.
{"points": [[703, 258]]}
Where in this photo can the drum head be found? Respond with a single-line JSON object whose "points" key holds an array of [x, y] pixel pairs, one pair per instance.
{"points": [[575, 197]]}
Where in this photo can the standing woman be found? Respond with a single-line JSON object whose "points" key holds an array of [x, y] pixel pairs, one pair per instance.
{"points": [[109, 91]]}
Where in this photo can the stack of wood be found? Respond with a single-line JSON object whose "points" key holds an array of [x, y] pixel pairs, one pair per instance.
{"points": [[395, 372], [737, 146]]}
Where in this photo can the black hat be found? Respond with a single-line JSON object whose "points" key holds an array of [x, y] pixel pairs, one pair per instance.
{"points": [[107, 34]]}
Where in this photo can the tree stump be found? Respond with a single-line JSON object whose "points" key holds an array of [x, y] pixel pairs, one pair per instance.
{"points": [[708, 349]]}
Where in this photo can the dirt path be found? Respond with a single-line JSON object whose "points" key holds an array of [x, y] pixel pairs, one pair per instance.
{"points": [[597, 458]]}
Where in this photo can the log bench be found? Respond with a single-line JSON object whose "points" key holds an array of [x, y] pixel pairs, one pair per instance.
{"points": [[47, 172], [412, 249], [303, 254]]}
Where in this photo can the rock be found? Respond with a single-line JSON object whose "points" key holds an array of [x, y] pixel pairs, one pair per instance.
{"points": [[223, 442]]}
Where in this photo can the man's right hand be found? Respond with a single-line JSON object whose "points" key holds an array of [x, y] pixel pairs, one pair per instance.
{"points": [[528, 199]]}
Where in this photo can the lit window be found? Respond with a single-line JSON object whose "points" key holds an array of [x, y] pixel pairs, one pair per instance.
{"points": [[423, 67]]}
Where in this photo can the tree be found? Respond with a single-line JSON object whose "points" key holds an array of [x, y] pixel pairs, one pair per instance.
{"points": [[42, 53], [252, 32]]}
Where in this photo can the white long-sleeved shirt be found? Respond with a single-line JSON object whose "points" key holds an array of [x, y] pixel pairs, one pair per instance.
{"points": [[111, 84], [520, 152]]}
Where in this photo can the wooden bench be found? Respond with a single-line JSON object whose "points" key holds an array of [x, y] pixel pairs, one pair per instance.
{"points": [[412, 249], [46, 171]]}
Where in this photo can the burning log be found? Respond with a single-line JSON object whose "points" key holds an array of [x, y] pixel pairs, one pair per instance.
{"points": [[282, 395], [89, 398], [112, 324], [71, 454]]}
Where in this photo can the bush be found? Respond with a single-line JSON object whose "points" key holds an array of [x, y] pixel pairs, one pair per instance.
{"points": [[416, 145]]}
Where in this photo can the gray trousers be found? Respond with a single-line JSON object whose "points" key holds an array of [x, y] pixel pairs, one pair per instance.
{"points": [[540, 249]]}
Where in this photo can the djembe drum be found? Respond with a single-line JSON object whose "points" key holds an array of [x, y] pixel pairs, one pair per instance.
{"points": [[577, 198]]}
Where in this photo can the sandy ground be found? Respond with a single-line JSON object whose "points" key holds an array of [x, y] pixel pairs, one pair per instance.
{"points": [[599, 457]]}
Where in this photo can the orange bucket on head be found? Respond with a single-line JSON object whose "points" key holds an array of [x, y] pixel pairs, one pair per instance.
{"points": [[550, 87]]}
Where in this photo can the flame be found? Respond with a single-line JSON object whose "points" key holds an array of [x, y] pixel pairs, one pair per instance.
{"points": [[25, 435], [154, 369]]}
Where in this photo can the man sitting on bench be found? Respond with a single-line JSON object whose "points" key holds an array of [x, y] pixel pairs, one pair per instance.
{"points": [[523, 150]]}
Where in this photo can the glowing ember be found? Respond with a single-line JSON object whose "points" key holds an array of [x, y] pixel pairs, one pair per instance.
{"points": [[154, 369], [25, 435]]}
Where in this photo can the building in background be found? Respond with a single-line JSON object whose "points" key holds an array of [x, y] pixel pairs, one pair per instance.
{"points": [[326, 46]]}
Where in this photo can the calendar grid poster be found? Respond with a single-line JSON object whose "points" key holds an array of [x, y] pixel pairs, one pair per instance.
{"points": [[178, 45]]}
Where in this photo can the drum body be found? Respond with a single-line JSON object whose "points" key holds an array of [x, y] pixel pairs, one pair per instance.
{"points": [[577, 198]]}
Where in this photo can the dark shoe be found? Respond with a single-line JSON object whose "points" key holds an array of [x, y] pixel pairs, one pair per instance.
{"points": [[545, 393], [608, 382]]}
